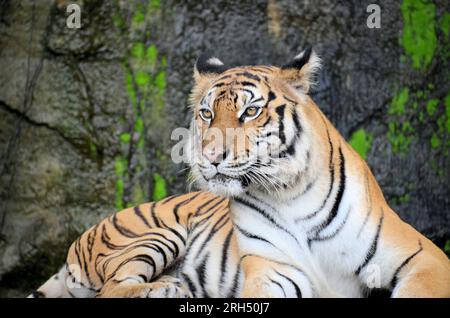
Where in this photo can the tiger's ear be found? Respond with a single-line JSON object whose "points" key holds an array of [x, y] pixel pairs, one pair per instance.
{"points": [[207, 67], [301, 71]]}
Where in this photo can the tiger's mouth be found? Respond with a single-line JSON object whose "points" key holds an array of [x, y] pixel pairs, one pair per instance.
{"points": [[226, 179]]}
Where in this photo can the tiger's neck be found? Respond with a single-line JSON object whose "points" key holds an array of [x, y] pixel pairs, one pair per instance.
{"points": [[335, 180]]}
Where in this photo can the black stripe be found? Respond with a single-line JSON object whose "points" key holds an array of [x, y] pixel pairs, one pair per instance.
{"points": [[403, 264], [211, 208], [137, 258], [368, 197], [335, 232], [138, 212], [218, 85], [168, 199], [295, 117], [265, 124], [337, 201], [182, 203], [210, 235], [199, 208], [248, 91], [175, 245], [249, 75], [259, 210], [91, 240], [153, 214], [177, 234], [252, 236], [201, 271], [190, 283], [290, 100], [86, 270], [279, 285], [298, 129], [331, 169], [223, 262], [373, 247], [246, 83], [236, 280], [271, 96], [280, 111], [199, 229], [265, 215], [122, 229], [257, 100], [224, 77], [298, 292]]}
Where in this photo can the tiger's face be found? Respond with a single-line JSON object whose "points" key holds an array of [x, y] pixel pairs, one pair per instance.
{"points": [[248, 128]]}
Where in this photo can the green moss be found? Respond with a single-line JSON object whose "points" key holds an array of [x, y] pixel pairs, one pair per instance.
{"points": [[399, 101], [138, 50], [160, 80], [447, 112], [159, 187], [397, 138], [432, 106], [139, 126], [155, 4], [435, 142], [404, 198], [138, 17], [142, 78], [125, 138], [445, 24], [399, 128], [93, 149], [361, 142], [419, 35], [447, 247], [145, 80], [151, 55]]}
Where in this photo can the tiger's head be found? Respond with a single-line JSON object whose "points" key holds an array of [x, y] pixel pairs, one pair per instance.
{"points": [[250, 126]]}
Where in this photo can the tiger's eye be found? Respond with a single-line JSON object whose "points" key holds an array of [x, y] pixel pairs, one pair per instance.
{"points": [[206, 114], [251, 111]]}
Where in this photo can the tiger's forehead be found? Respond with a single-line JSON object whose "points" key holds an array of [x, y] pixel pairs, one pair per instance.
{"points": [[242, 73], [237, 86]]}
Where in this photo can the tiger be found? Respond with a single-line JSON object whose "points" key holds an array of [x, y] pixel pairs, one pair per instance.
{"points": [[299, 193], [287, 208]]}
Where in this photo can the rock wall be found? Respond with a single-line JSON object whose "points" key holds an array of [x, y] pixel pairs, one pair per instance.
{"points": [[86, 114]]}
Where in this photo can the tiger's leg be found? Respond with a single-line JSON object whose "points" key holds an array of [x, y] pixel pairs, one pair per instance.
{"points": [[135, 271], [63, 284], [422, 275], [164, 287], [269, 279]]}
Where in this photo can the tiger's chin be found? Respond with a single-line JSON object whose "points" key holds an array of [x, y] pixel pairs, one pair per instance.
{"points": [[227, 187]]}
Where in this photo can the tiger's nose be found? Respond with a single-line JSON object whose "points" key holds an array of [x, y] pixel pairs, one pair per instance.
{"points": [[215, 158]]}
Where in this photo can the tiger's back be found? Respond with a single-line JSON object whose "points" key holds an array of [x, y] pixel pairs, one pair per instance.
{"points": [[189, 236]]}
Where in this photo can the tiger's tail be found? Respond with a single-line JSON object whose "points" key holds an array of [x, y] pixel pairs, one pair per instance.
{"points": [[61, 285]]}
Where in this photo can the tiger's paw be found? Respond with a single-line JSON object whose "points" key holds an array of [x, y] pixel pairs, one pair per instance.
{"points": [[165, 287], [260, 288]]}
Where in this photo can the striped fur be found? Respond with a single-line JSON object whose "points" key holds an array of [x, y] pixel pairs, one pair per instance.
{"points": [[182, 246], [311, 201], [305, 216]]}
